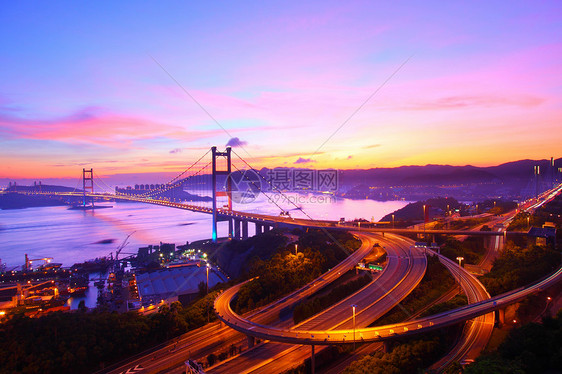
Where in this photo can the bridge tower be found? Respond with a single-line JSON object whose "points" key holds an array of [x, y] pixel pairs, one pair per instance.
{"points": [[226, 170], [87, 185], [537, 171]]}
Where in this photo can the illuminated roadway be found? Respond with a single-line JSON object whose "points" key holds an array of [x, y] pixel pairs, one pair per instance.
{"points": [[380, 333], [477, 331], [404, 270]]}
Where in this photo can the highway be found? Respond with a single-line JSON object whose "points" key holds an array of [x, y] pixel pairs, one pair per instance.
{"points": [[381, 333], [404, 271], [477, 332]]}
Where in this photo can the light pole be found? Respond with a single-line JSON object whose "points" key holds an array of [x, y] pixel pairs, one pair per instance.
{"points": [[528, 221], [207, 278], [459, 259], [208, 307], [296, 249], [353, 307], [424, 221], [393, 221]]}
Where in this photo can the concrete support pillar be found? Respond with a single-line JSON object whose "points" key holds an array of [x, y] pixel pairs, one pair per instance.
{"points": [[259, 228], [312, 359], [266, 228], [501, 316], [237, 229], [244, 230], [251, 341], [386, 346]]}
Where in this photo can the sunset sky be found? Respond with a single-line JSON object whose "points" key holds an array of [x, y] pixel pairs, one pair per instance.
{"points": [[477, 83]]}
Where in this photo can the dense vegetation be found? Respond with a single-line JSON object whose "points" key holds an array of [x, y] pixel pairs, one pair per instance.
{"points": [[496, 206], [456, 302], [311, 307], [405, 358], [286, 271], [524, 220], [414, 211], [517, 267], [234, 256], [82, 342], [436, 281], [280, 275], [532, 348], [472, 249]]}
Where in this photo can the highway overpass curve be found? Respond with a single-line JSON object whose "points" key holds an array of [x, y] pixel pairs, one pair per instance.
{"points": [[380, 333], [478, 331], [403, 272]]}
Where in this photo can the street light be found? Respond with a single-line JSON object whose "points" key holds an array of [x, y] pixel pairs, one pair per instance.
{"points": [[353, 307], [207, 277], [393, 221], [459, 259], [296, 249], [424, 221]]}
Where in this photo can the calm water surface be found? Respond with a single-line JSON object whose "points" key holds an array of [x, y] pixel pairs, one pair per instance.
{"points": [[71, 236]]}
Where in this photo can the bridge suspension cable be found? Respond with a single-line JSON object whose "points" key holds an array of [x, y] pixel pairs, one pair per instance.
{"points": [[273, 187], [105, 188], [169, 185]]}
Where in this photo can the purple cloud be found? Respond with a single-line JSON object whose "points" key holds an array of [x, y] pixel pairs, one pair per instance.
{"points": [[304, 160], [175, 150], [236, 142]]}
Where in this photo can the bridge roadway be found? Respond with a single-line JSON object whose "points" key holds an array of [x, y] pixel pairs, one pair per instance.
{"points": [[266, 219], [380, 333], [404, 270], [205, 340]]}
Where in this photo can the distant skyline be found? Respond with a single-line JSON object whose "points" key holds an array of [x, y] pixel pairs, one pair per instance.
{"points": [[482, 84]]}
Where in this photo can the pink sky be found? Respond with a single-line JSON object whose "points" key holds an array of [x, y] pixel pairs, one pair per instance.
{"points": [[482, 86]]}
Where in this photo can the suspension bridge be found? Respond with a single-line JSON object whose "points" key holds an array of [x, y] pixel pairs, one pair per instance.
{"points": [[206, 186], [212, 186]]}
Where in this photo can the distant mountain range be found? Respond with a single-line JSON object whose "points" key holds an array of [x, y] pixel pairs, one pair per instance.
{"points": [[430, 175]]}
